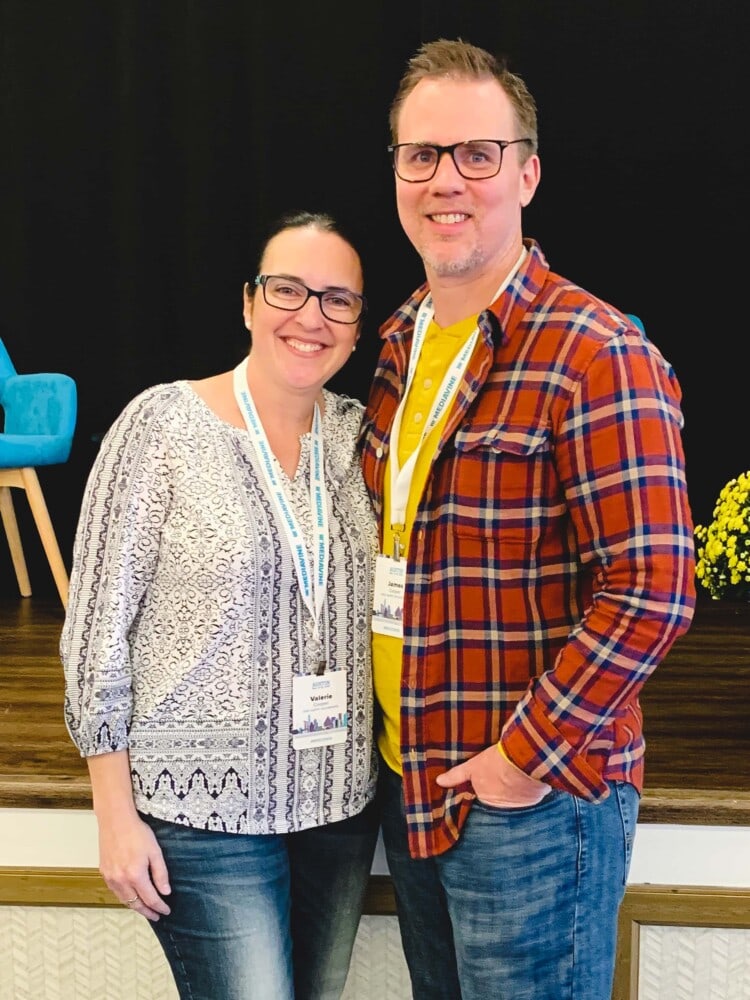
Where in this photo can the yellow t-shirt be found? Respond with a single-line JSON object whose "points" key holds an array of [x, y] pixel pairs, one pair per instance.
{"points": [[438, 351]]}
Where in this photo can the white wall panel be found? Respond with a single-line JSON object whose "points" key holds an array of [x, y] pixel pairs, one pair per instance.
{"points": [[87, 953], [693, 963]]}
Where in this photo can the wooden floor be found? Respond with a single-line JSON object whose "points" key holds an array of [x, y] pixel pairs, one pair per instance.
{"points": [[696, 708]]}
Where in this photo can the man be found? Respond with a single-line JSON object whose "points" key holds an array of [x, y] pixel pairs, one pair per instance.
{"points": [[522, 447]]}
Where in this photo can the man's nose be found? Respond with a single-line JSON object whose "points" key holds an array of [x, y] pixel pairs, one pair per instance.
{"points": [[447, 172]]}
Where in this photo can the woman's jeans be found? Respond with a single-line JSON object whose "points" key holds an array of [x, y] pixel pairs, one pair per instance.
{"points": [[523, 907], [271, 917]]}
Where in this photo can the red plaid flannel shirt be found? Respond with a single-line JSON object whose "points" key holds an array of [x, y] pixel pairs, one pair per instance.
{"points": [[551, 563]]}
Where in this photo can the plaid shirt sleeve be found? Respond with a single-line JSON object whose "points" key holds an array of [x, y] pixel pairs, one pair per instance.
{"points": [[619, 456]]}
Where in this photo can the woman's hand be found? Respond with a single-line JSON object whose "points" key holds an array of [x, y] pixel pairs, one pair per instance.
{"points": [[132, 865], [130, 859]]}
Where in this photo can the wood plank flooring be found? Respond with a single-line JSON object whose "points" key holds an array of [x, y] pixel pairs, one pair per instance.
{"points": [[39, 765], [696, 708]]}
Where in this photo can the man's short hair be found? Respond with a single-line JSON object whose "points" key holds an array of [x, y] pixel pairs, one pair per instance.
{"points": [[459, 60]]}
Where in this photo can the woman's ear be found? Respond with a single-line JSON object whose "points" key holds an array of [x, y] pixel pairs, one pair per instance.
{"points": [[247, 306]]}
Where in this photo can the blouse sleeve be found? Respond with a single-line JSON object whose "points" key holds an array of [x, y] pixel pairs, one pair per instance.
{"points": [[115, 555]]}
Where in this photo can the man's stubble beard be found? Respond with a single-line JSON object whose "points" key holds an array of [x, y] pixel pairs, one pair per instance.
{"points": [[443, 268]]}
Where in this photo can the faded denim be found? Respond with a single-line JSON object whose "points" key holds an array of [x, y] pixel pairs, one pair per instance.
{"points": [[523, 907], [271, 917]]}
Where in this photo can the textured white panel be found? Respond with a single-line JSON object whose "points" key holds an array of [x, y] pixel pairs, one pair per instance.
{"points": [[693, 963], [69, 953], [378, 970]]}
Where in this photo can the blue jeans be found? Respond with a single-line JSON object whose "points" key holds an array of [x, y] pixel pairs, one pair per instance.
{"points": [[270, 917], [523, 907]]}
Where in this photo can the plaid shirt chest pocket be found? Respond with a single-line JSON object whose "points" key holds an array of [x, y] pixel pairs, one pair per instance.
{"points": [[502, 482]]}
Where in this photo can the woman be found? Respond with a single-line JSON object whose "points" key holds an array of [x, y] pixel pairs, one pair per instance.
{"points": [[216, 645]]}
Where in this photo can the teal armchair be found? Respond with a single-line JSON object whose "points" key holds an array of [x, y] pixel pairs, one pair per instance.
{"points": [[637, 321], [40, 412]]}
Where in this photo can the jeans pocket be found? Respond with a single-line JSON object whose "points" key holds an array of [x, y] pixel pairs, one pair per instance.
{"points": [[628, 801], [544, 802]]}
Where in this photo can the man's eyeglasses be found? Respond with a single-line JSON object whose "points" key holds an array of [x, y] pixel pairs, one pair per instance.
{"points": [[475, 159], [337, 304]]}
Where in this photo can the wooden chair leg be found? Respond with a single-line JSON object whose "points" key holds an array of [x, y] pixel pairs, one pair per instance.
{"points": [[46, 532], [10, 524]]}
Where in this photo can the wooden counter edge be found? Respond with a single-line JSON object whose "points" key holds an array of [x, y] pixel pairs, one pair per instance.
{"points": [[23, 886]]}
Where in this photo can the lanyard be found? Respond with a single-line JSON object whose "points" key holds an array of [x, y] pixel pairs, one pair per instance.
{"points": [[401, 477], [312, 579]]}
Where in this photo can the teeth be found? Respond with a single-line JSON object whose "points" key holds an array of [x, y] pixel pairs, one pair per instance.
{"points": [[450, 219], [305, 346]]}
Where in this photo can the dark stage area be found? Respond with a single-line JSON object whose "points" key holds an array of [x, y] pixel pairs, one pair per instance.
{"points": [[147, 146]]}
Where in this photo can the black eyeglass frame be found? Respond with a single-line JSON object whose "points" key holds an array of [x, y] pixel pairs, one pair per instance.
{"points": [[261, 279], [501, 143]]}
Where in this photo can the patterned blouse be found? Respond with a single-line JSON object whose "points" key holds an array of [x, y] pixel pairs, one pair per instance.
{"points": [[186, 624]]}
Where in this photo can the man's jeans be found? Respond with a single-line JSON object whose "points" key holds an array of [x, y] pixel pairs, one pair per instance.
{"points": [[523, 907], [264, 917]]}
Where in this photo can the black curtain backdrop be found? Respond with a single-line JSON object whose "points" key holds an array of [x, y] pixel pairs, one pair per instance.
{"points": [[146, 145]]}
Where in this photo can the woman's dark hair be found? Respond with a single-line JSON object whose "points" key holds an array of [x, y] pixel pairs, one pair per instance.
{"points": [[300, 219]]}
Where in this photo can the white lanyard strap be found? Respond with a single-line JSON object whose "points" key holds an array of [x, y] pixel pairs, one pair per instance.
{"points": [[312, 584], [401, 477]]}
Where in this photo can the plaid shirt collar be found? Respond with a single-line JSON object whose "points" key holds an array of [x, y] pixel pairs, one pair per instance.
{"points": [[501, 315]]}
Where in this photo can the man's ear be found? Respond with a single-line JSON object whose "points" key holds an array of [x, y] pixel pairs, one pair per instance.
{"points": [[531, 174]]}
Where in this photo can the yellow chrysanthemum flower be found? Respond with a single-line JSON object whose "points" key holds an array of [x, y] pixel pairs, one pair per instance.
{"points": [[723, 547]]}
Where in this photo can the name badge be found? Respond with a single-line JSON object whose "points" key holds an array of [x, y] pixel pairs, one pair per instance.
{"points": [[319, 713], [388, 599]]}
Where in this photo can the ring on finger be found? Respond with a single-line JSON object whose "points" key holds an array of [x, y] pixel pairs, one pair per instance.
{"points": [[129, 902]]}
